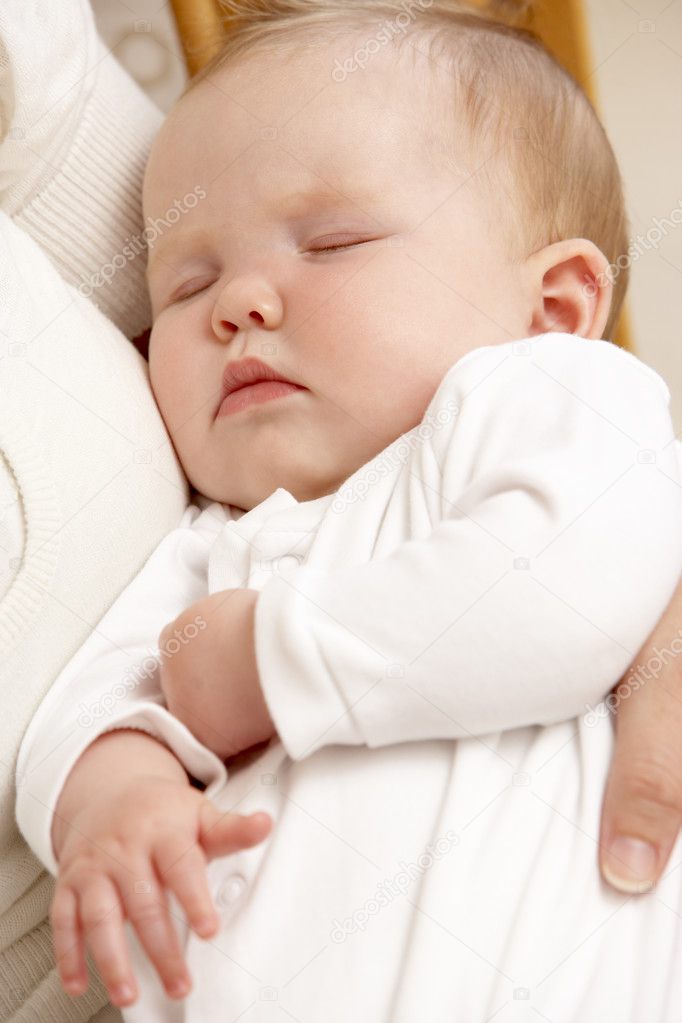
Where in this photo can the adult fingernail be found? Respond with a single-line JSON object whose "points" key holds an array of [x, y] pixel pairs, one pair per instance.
{"points": [[630, 865]]}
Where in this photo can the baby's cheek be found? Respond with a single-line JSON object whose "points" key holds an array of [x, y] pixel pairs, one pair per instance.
{"points": [[173, 380]]}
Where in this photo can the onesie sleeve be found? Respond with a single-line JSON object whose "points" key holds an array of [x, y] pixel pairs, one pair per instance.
{"points": [[113, 682], [556, 547]]}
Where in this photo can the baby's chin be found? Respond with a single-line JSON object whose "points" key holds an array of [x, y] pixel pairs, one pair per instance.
{"points": [[252, 493]]}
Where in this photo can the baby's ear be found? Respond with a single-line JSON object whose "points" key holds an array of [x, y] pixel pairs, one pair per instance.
{"points": [[570, 287]]}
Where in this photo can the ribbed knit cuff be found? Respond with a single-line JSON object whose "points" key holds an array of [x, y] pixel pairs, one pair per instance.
{"points": [[87, 217]]}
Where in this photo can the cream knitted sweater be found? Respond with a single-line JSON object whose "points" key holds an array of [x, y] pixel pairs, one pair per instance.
{"points": [[89, 483]]}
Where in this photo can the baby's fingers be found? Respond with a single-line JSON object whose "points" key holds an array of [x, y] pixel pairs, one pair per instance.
{"points": [[69, 949], [182, 868], [224, 833], [102, 918], [147, 909]]}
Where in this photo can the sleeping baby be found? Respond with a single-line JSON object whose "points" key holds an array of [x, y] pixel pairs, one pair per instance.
{"points": [[327, 757]]}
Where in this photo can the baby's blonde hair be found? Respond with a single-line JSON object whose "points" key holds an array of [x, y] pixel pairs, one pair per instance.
{"points": [[548, 160]]}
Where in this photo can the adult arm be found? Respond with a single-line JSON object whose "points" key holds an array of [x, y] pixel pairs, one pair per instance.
{"points": [[75, 133]]}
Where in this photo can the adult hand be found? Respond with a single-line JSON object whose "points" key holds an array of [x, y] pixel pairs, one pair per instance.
{"points": [[642, 809]]}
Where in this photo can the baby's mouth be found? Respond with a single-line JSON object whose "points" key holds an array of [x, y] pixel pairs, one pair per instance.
{"points": [[251, 381], [255, 394]]}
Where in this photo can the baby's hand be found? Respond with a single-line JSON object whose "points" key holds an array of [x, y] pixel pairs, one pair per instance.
{"points": [[117, 858], [209, 674]]}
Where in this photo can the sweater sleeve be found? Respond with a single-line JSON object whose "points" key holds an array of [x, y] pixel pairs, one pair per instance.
{"points": [[75, 131], [113, 682], [556, 550]]}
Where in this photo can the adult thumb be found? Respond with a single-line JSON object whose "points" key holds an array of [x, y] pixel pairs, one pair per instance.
{"points": [[642, 809], [223, 833]]}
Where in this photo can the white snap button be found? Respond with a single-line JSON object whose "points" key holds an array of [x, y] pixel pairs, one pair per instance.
{"points": [[230, 890], [288, 562]]}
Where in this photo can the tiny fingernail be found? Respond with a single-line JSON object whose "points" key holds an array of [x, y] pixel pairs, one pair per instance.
{"points": [[178, 988], [123, 993], [206, 926], [630, 865]]}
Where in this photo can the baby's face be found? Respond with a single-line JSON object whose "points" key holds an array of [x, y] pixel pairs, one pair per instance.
{"points": [[293, 162]]}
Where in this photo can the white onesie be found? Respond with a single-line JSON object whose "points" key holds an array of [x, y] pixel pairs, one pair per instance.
{"points": [[433, 641]]}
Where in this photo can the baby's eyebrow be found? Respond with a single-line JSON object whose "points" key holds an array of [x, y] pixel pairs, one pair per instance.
{"points": [[153, 257], [300, 199]]}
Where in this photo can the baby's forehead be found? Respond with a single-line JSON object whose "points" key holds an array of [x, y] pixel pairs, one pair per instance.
{"points": [[364, 136], [307, 91]]}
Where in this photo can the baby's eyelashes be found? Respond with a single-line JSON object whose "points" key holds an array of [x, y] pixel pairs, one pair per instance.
{"points": [[342, 245], [189, 289]]}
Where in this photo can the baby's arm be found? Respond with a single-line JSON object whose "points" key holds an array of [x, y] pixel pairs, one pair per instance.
{"points": [[112, 681], [128, 825], [555, 545], [72, 758]]}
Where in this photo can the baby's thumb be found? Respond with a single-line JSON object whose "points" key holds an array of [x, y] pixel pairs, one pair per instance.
{"points": [[223, 833]]}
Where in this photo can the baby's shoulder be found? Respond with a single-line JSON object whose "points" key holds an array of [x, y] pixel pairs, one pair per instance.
{"points": [[553, 395], [526, 366]]}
